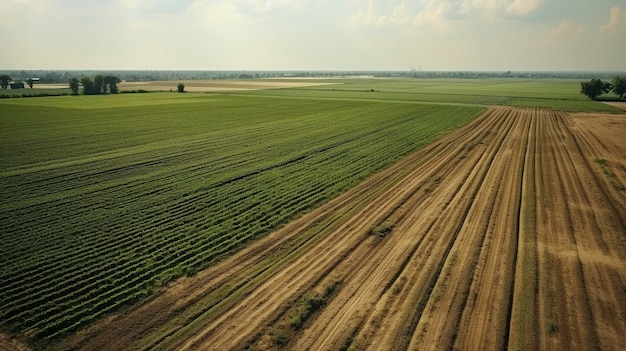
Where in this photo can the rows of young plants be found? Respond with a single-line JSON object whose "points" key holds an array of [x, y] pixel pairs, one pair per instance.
{"points": [[123, 200]]}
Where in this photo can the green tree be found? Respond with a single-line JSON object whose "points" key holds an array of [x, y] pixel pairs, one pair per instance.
{"points": [[88, 86], [4, 81], [594, 88], [99, 86], [181, 87], [112, 81], [74, 84], [619, 86], [29, 81]]}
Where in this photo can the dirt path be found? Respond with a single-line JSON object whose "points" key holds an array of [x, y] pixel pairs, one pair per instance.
{"points": [[510, 233]]}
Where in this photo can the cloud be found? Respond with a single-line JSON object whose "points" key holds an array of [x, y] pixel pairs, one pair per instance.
{"points": [[617, 21], [435, 16], [373, 16], [566, 32], [439, 14], [499, 8], [523, 7], [160, 6], [405, 13]]}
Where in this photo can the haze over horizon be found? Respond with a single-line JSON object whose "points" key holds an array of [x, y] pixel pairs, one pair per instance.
{"points": [[517, 35]]}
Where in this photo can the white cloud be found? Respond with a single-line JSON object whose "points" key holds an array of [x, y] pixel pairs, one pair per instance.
{"points": [[566, 32], [617, 22], [376, 16], [523, 7], [379, 14], [160, 6], [435, 16], [439, 14], [499, 8]]}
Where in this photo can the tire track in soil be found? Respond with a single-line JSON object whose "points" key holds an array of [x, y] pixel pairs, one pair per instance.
{"points": [[439, 323], [362, 289], [590, 221], [523, 333], [485, 319], [563, 324]]}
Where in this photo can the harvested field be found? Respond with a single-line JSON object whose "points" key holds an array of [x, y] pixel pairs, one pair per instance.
{"points": [[507, 234]]}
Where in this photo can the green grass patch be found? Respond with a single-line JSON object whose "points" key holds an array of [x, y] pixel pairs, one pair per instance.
{"points": [[606, 169], [381, 229], [308, 304]]}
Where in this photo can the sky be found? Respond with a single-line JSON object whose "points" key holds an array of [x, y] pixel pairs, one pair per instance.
{"points": [[471, 35]]}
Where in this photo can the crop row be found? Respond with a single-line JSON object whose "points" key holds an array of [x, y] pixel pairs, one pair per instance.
{"points": [[81, 239]]}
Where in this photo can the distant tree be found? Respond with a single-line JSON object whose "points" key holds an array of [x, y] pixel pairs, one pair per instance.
{"points": [[181, 87], [98, 84], [619, 86], [594, 88], [74, 84], [88, 86], [4, 81], [112, 81], [29, 81]]}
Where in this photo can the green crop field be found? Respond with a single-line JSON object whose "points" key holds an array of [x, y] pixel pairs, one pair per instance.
{"points": [[104, 198], [562, 94]]}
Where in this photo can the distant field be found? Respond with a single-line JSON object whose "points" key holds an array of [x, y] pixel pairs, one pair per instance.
{"points": [[555, 94], [217, 85]]}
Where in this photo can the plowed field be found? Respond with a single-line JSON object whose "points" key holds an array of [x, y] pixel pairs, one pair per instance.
{"points": [[507, 234]]}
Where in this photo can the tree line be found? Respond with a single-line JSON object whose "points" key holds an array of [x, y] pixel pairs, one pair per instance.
{"points": [[100, 84], [596, 87], [56, 76]]}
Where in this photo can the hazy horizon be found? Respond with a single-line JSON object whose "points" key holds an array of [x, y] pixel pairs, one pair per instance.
{"points": [[314, 35]]}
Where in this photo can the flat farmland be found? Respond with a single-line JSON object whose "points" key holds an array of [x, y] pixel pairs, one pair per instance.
{"points": [[105, 199], [507, 234], [314, 218]]}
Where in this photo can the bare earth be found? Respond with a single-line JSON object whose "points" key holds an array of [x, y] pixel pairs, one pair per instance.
{"points": [[8, 343], [621, 105], [507, 234]]}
